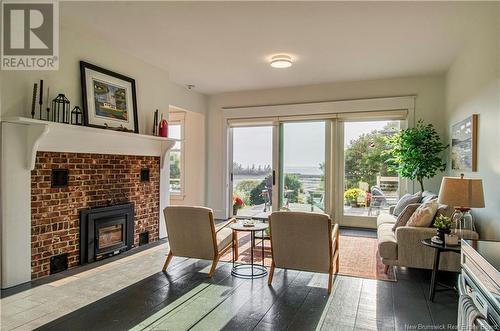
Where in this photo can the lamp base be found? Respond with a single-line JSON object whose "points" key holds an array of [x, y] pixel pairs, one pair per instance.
{"points": [[463, 220]]}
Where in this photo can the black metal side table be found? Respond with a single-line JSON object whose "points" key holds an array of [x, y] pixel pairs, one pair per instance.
{"points": [[252, 270], [438, 249]]}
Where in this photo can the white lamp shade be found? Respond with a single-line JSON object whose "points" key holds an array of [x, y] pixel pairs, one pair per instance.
{"points": [[459, 192]]}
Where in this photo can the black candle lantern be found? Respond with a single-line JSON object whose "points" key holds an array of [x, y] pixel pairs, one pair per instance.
{"points": [[76, 116], [60, 109]]}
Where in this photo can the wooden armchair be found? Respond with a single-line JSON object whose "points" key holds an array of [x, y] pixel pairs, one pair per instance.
{"points": [[304, 241], [192, 233]]}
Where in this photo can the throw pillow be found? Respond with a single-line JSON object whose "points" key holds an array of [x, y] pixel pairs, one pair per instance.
{"points": [[428, 196], [423, 216], [405, 201], [405, 215]]}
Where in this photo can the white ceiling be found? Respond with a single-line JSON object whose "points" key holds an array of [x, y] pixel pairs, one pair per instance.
{"points": [[223, 47]]}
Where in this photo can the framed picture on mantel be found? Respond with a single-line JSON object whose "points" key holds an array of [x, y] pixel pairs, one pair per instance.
{"points": [[464, 144], [109, 99]]}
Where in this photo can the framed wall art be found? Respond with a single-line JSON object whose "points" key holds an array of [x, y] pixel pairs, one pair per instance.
{"points": [[109, 99], [464, 144]]}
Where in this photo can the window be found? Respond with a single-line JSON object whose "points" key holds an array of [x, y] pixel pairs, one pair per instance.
{"points": [[175, 131]]}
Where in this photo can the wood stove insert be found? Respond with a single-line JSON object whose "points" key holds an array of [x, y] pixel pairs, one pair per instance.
{"points": [[106, 231]]}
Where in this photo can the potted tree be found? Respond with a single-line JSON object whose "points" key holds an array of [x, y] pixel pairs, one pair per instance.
{"points": [[416, 152]]}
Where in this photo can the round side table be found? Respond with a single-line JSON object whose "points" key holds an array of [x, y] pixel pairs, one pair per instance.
{"points": [[435, 269], [252, 270]]}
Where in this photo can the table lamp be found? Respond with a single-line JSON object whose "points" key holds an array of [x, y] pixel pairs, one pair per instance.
{"points": [[462, 194]]}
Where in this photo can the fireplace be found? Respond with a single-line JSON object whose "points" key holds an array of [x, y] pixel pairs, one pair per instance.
{"points": [[106, 231]]}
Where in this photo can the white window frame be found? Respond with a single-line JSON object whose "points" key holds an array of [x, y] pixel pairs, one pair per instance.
{"points": [[178, 118]]}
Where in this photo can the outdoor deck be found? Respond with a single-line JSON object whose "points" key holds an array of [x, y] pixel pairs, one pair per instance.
{"points": [[258, 210]]}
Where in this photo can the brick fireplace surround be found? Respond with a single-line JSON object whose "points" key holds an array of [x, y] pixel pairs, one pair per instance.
{"points": [[94, 180]]}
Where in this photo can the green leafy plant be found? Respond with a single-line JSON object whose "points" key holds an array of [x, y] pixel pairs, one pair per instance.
{"points": [[442, 222], [237, 202], [292, 182], [366, 157], [416, 152], [352, 195]]}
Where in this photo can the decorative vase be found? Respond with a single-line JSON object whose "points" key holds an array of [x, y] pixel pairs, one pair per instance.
{"points": [[442, 232], [163, 128]]}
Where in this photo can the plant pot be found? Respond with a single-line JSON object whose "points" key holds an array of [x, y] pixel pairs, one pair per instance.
{"points": [[442, 232], [235, 211]]}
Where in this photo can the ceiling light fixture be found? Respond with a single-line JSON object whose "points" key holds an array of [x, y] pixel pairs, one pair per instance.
{"points": [[281, 61]]}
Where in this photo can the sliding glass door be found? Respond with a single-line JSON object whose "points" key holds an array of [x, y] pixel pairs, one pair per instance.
{"points": [[339, 166], [302, 166], [252, 171], [370, 186]]}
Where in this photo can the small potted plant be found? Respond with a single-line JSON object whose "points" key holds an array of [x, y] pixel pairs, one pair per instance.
{"points": [[443, 225], [237, 204], [351, 196], [368, 199]]}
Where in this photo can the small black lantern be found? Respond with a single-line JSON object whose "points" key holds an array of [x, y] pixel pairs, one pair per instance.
{"points": [[60, 109], [76, 116]]}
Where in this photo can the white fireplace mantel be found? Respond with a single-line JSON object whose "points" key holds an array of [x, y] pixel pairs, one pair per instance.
{"points": [[21, 139], [59, 137]]}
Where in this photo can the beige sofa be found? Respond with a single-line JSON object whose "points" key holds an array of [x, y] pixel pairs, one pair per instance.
{"points": [[403, 247]]}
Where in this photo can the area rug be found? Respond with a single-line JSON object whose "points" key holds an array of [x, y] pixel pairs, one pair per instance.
{"points": [[358, 256]]}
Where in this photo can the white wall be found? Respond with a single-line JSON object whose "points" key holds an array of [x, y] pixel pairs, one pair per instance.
{"points": [[473, 87], [154, 89], [430, 106], [190, 100]]}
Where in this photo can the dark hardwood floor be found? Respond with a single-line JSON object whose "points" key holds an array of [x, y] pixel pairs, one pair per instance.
{"points": [[184, 299]]}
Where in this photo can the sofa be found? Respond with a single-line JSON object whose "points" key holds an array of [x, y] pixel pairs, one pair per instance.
{"points": [[403, 246]]}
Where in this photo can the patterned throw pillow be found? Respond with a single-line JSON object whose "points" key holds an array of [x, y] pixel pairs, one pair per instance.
{"points": [[405, 215], [423, 216], [405, 201]]}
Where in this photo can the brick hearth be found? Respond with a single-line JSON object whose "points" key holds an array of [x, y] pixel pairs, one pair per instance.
{"points": [[94, 180]]}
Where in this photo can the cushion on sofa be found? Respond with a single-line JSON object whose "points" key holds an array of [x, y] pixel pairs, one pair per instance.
{"points": [[423, 216], [385, 218], [387, 245], [403, 218], [428, 196], [405, 201]]}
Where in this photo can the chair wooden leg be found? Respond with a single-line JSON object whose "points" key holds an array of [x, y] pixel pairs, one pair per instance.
{"points": [[271, 274], [214, 266], [386, 268], [337, 249], [235, 245], [167, 261], [330, 281]]}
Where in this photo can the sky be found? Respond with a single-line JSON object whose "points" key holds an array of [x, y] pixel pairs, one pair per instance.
{"points": [[303, 143], [352, 130]]}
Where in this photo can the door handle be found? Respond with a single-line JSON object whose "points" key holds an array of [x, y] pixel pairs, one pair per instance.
{"points": [[274, 177]]}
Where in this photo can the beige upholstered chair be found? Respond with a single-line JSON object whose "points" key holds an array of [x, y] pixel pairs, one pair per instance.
{"points": [[191, 233], [304, 241]]}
